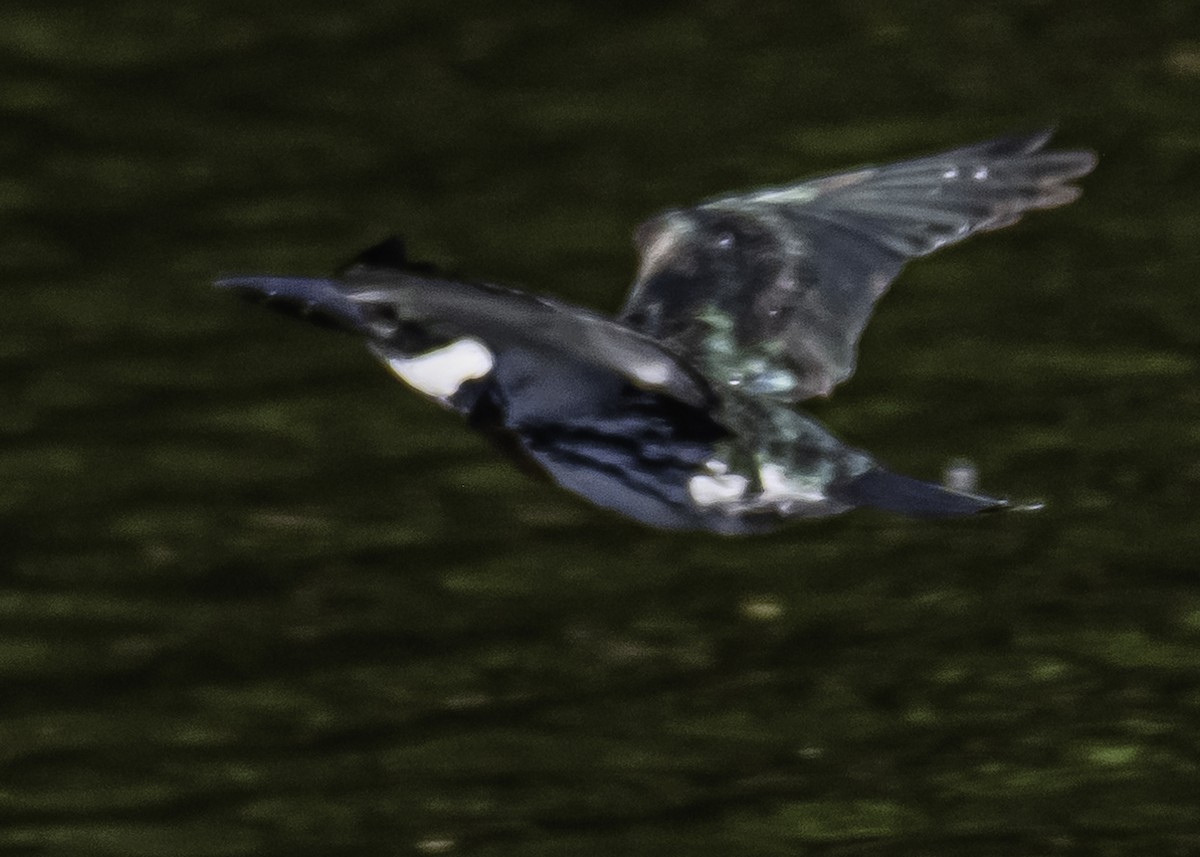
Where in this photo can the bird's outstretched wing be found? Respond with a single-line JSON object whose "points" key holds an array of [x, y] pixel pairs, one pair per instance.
{"points": [[771, 290]]}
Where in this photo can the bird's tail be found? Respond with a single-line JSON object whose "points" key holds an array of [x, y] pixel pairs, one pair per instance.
{"points": [[881, 489], [314, 299]]}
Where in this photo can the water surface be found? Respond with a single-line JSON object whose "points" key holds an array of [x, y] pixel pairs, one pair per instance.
{"points": [[255, 599]]}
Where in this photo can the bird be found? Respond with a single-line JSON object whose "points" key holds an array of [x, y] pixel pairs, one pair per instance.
{"points": [[683, 412]]}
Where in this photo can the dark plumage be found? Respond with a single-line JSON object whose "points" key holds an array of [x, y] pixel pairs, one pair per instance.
{"points": [[681, 412]]}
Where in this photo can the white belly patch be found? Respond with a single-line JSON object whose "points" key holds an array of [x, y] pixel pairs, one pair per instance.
{"points": [[440, 372]]}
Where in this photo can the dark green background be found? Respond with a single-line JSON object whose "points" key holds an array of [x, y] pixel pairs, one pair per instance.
{"points": [[257, 600]]}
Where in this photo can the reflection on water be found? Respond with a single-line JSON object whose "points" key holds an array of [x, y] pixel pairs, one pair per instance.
{"points": [[254, 599]]}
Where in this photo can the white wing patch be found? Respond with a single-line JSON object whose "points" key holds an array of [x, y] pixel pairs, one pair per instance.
{"points": [[439, 373], [707, 490], [716, 486]]}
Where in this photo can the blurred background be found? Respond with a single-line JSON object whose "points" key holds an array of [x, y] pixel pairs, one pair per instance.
{"points": [[256, 599]]}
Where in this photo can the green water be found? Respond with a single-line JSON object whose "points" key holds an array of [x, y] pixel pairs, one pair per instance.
{"points": [[257, 600]]}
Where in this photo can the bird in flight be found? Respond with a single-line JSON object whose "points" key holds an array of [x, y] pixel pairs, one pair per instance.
{"points": [[682, 411]]}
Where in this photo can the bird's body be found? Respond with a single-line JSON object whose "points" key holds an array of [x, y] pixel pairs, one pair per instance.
{"points": [[681, 413]]}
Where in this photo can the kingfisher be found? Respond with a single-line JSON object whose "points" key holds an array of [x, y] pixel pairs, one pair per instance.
{"points": [[682, 411]]}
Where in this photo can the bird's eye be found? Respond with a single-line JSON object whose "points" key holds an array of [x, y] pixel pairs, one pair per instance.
{"points": [[725, 240]]}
